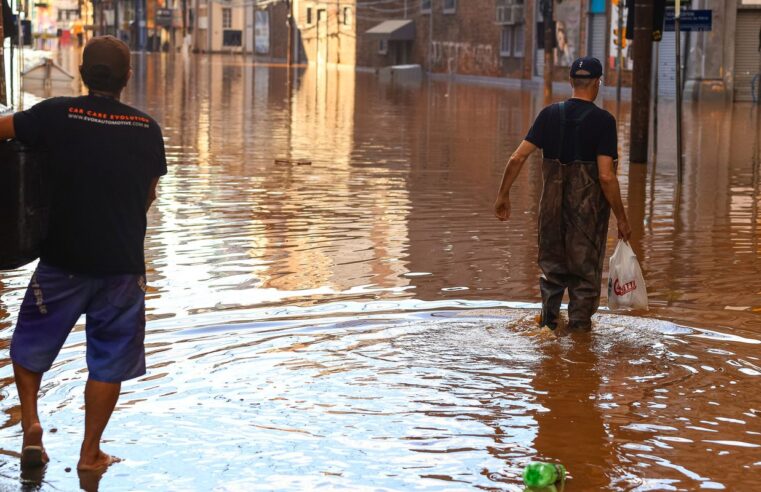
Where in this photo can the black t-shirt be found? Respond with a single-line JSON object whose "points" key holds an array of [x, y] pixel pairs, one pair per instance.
{"points": [[102, 156], [596, 131]]}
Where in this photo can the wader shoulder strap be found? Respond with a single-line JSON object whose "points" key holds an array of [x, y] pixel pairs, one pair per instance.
{"points": [[560, 111], [576, 131]]}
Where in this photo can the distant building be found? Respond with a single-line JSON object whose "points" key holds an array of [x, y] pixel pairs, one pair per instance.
{"points": [[217, 26], [485, 38], [327, 32], [150, 25], [266, 30], [502, 40]]}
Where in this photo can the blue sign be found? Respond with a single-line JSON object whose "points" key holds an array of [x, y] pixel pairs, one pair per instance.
{"points": [[690, 20], [597, 7]]}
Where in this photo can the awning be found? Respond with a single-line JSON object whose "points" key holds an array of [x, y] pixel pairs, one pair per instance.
{"points": [[393, 30]]}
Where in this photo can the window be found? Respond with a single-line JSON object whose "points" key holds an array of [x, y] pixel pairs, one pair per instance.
{"points": [[232, 37], [506, 43], [310, 20], [450, 6], [227, 18], [519, 40], [383, 47], [425, 6], [513, 41], [347, 17]]}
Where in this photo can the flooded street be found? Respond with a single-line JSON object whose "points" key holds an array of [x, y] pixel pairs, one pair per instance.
{"points": [[365, 323]]}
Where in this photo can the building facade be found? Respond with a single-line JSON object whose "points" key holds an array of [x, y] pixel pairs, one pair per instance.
{"points": [[216, 26], [266, 30], [327, 32], [476, 38], [504, 40]]}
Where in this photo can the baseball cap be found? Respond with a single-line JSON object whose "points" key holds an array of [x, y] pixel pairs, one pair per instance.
{"points": [[105, 63], [587, 67]]}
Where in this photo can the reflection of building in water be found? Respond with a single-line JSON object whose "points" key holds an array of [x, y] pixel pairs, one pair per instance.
{"points": [[711, 221], [230, 211], [326, 245], [570, 426], [458, 155]]}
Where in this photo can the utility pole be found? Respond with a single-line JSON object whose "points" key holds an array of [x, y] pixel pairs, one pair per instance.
{"points": [[184, 20], [289, 54], [641, 79], [621, 40], [2, 58], [140, 22], [430, 40], [656, 88], [677, 33], [549, 41]]}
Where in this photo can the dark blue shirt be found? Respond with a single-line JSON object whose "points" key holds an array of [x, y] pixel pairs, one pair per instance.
{"points": [[597, 132]]}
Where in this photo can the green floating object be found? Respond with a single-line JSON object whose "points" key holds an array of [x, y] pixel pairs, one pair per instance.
{"points": [[538, 474]]}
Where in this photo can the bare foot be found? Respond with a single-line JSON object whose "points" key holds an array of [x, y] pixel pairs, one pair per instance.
{"points": [[102, 462], [32, 452]]}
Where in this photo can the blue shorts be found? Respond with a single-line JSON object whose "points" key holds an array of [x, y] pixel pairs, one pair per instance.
{"points": [[114, 306]]}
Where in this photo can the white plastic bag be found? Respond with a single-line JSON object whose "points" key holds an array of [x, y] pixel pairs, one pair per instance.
{"points": [[626, 285]]}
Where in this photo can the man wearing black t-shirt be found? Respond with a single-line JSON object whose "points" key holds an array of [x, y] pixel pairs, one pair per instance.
{"points": [[578, 141], [105, 162]]}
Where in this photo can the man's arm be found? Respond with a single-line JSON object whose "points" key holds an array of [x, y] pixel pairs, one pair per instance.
{"points": [[612, 191], [514, 166], [7, 130], [151, 193]]}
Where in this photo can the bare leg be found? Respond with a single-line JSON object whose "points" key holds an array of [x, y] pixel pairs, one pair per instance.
{"points": [[100, 400], [28, 386]]}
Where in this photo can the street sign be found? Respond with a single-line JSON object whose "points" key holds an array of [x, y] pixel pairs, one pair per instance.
{"points": [[164, 17], [690, 20]]}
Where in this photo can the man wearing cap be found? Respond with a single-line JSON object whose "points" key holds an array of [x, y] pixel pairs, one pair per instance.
{"points": [[105, 159], [579, 146]]}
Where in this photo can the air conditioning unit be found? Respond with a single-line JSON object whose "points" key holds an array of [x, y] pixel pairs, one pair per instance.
{"points": [[505, 14], [518, 14]]}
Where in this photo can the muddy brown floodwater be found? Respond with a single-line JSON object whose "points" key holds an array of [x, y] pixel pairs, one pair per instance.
{"points": [[364, 323]]}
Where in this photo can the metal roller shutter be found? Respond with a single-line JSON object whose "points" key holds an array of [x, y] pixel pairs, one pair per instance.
{"points": [[747, 56], [539, 63], [597, 31], [667, 65]]}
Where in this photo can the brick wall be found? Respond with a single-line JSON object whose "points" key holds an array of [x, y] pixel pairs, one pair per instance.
{"points": [[368, 17], [465, 42]]}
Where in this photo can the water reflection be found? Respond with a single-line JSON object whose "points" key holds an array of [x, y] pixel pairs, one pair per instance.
{"points": [[570, 425], [348, 320]]}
